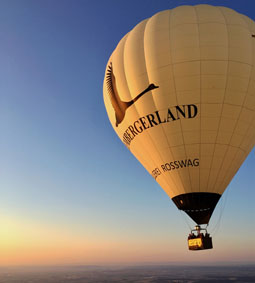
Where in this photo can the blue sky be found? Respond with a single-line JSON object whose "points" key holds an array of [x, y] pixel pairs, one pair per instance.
{"points": [[63, 166]]}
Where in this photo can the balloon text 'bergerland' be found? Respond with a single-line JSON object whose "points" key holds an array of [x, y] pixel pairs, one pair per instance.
{"points": [[156, 118]]}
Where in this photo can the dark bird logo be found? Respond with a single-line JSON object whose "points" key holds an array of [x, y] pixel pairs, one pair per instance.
{"points": [[120, 106]]}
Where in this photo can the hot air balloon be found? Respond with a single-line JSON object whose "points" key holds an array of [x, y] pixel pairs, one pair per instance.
{"points": [[179, 90]]}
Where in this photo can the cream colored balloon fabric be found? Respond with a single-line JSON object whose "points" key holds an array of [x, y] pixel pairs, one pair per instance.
{"points": [[193, 132]]}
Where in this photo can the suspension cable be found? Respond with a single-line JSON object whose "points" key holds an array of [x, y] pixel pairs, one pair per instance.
{"points": [[222, 208], [185, 218]]}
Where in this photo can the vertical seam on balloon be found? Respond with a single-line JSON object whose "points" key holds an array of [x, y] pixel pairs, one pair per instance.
{"points": [[171, 64], [174, 84], [148, 134], [252, 67], [253, 120], [184, 145], [219, 170], [242, 107], [163, 175], [120, 50], [222, 104], [200, 66], [139, 140], [169, 147], [213, 187]]}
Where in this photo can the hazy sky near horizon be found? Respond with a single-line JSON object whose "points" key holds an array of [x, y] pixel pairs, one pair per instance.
{"points": [[71, 193]]}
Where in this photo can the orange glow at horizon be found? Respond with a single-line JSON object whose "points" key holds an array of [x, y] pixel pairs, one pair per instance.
{"points": [[28, 243]]}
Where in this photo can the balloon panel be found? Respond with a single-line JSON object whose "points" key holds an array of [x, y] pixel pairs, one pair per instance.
{"points": [[184, 85]]}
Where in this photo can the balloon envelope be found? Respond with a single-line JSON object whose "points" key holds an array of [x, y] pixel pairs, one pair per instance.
{"points": [[179, 90]]}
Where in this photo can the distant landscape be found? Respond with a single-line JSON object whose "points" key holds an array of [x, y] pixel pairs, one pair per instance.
{"points": [[140, 274]]}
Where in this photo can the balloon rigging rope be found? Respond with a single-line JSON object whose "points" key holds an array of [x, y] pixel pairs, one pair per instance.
{"points": [[223, 204], [185, 219]]}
